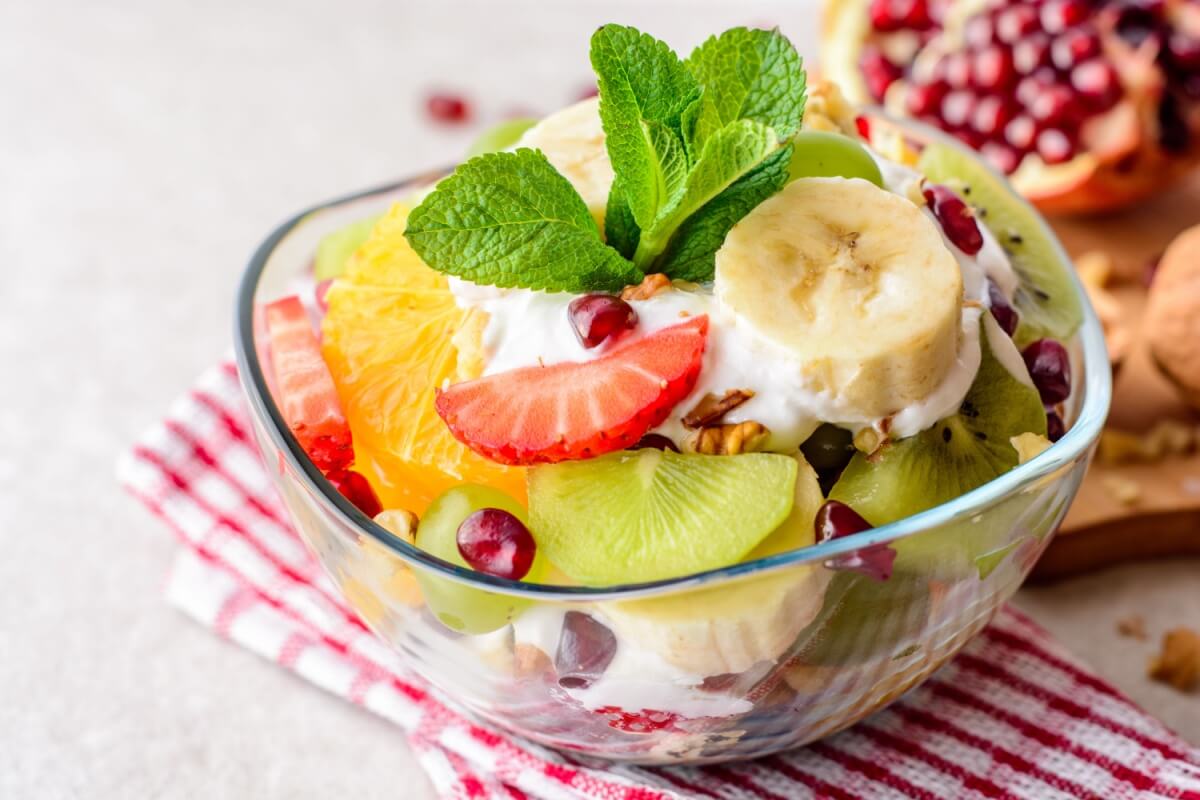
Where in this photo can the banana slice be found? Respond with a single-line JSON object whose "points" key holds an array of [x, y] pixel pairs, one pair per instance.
{"points": [[729, 629], [855, 282], [573, 142]]}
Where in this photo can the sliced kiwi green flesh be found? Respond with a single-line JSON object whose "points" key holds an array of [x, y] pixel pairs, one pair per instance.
{"points": [[821, 154], [500, 136], [1046, 297], [335, 249], [960, 453], [651, 514]]}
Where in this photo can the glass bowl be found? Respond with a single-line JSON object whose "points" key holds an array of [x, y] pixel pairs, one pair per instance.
{"points": [[728, 664]]}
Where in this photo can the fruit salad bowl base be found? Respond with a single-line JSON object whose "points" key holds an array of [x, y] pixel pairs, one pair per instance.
{"points": [[729, 664]]}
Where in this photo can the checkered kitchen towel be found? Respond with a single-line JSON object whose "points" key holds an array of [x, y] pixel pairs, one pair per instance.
{"points": [[1013, 716]]}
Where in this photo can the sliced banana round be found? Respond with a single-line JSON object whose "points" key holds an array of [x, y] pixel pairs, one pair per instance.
{"points": [[855, 282], [573, 141], [728, 629]]}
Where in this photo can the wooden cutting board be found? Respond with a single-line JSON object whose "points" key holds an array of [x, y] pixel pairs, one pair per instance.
{"points": [[1164, 519]]}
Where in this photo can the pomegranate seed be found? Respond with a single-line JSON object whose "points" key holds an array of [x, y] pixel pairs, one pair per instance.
{"points": [[978, 32], [1054, 146], [585, 649], [1006, 316], [1001, 156], [1055, 428], [863, 126], [956, 218], [655, 441], [320, 292], [1021, 133], [894, 15], [969, 137], [990, 116], [1033, 86], [878, 72], [1058, 15], [1184, 50], [955, 69], [494, 541], [923, 99], [1050, 368], [992, 69], [836, 520], [1097, 83], [355, 488], [644, 721], [1031, 52], [596, 317], [1054, 104], [1074, 47], [957, 107], [1015, 22], [448, 108]]}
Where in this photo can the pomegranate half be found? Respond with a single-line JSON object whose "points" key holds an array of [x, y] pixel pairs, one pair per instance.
{"points": [[1088, 105]]}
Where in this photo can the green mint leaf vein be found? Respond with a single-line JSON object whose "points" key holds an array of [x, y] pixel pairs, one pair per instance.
{"points": [[621, 230], [644, 88], [691, 253], [509, 220], [730, 153]]}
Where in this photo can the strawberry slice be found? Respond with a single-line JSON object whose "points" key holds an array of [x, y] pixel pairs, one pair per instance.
{"points": [[303, 386], [538, 415]]}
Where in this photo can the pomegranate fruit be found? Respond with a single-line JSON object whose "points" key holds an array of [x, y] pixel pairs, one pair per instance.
{"points": [[1089, 105]]}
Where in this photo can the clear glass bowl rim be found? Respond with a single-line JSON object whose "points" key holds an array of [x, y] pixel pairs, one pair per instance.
{"points": [[1082, 435]]}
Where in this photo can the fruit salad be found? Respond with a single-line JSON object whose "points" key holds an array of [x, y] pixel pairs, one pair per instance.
{"points": [[711, 316]]}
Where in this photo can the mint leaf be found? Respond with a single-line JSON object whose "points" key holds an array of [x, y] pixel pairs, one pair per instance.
{"points": [[621, 230], [510, 219], [641, 82], [747, 74], [692, 250], [728, 154]]}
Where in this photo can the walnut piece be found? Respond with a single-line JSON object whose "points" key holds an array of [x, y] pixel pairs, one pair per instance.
{"points": [[1172, 322], [1167, 438], [1132, 626], [711, 408], [727, 440], [1123, 490], [651, 285], [1179, 662]]}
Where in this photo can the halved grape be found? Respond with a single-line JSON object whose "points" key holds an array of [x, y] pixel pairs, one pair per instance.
{"points": [[457, 606], [820, 154], [500, 136], [336, 248]]}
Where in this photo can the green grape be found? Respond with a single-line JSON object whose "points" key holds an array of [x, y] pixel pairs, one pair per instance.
{"points": [[818, 154], [335, 249], [500, 136], [457, 606]]}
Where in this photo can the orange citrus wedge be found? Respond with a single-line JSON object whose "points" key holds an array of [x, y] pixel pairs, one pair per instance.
{"points": [[390, 340]]}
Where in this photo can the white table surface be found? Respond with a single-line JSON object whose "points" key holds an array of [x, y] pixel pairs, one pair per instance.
{"points": [[145, 147]]}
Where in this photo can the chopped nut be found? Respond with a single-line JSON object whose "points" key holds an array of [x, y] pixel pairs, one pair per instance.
{"points": [[727, 440], [1118, 447], [400, 522], [870, 439], [1125, 491], [1167, 438], [711, 409], [529, 659], [1133, 626], [1179, 662], [1095, 268], [651, 285], [827, 109], [1029, 445]]}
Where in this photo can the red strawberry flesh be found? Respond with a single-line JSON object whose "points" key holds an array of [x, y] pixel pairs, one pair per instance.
{"points": [[538, 415]]}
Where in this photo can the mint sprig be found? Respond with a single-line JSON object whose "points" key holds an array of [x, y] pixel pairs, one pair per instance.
{"points": [[695, 145]]}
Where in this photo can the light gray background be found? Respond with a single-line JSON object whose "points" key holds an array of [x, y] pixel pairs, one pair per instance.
{"points": [[145, 147]]}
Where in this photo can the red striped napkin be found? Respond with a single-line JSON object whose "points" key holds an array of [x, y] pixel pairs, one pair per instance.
{"points": [[1013, 716]]}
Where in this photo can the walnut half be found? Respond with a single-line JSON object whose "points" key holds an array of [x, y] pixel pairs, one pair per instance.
{"points": [[712, 409], [727, 440], [1179, 662]]}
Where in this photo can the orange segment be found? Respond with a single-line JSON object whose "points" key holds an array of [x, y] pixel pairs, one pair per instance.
{"points": [[389, 340]]}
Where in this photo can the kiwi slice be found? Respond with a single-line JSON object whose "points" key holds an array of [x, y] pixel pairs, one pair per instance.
{"points": [[650, 514], [1046, 298], [958, 454], [335, 249]]}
